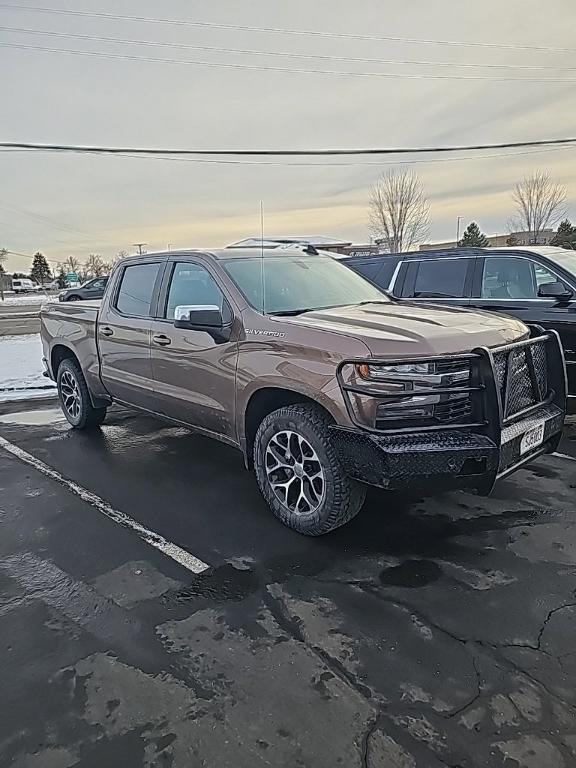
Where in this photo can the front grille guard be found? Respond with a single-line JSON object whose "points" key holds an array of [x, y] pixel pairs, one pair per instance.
{"points": [[484, 390]]}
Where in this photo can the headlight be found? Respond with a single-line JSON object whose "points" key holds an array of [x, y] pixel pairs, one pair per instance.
{"points": [[380, 372]]}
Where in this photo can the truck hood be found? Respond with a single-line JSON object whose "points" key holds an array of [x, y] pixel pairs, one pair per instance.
{"points": [[409, 329]]}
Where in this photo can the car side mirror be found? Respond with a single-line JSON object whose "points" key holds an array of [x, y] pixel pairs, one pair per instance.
{"points": [[556, 291], [207, 318]]}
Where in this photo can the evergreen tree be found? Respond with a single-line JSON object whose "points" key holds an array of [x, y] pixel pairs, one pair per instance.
{"points": [[565, 236], [40, 271], [474, 237]]}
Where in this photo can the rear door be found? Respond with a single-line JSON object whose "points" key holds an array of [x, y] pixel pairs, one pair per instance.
{"points": [[445, 281], [509, 284], [194, 375], [124, 331]]}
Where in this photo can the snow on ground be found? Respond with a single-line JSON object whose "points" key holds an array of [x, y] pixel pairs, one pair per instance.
{"points": [[27, 298], [21, 368]]}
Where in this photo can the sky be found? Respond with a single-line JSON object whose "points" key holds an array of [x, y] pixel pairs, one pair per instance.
{"points": [[82, 204]]}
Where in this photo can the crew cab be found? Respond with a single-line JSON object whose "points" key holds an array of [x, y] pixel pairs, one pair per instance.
{"points": [[537, 284], [324, 382]]}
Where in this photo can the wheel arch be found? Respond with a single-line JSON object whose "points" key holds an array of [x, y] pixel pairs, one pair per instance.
{"points": [[61, 352], [262, 402]]}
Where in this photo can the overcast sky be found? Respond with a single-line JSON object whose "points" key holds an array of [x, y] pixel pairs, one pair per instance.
{"points": [[65, 204]]}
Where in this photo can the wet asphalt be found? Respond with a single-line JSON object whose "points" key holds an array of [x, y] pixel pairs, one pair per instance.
{"points": [[428, 632]]}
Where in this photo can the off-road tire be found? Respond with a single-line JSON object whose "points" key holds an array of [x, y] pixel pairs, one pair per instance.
{"points": [[343, 497], [88, 417]]}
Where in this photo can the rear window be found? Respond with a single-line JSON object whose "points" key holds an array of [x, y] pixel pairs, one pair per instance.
{"points": [[441, 278], [136, 289]]}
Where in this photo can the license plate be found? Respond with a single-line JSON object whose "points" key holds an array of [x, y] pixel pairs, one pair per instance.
{"points": [[532, 439]]}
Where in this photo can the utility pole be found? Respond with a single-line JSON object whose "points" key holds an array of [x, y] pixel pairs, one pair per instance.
{"points": [[139, 246], [458, 230]]}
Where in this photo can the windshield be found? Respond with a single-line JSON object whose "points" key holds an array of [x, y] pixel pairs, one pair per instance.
{"points": [[565, 259], [300, 282]]}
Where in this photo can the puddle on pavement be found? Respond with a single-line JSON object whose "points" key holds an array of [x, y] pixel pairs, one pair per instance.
{"points": [[34, 418], [411, 574]]}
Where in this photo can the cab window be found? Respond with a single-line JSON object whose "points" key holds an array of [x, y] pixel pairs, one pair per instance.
{"points": [[438, 279], [513, 278], [136, 288], [191, 287]]}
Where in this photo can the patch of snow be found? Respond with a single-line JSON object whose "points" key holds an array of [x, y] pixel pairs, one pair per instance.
{"points": [[28, 298], [21, 368]]}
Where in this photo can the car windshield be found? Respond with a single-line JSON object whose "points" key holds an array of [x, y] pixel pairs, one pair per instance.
{"points": [[565, 259], [299, 283]]}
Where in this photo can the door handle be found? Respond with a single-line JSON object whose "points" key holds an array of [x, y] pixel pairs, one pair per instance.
{"points": [[161, 340], [106, 331]]}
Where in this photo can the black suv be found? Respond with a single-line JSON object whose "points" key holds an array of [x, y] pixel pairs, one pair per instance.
{"points": [[93, 289], [536, 284]]}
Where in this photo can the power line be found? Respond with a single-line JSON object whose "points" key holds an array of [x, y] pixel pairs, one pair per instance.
{"points": [[281, 31], [293, 70], [273, 163], [87, 149], [280, 54], [41, 219]]}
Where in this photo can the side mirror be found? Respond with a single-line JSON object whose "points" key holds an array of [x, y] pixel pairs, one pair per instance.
{"points": [[556, 291], [207, 318]]}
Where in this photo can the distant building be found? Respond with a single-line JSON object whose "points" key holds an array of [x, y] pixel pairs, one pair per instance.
{"points": [[331, 244], [500, 241]]}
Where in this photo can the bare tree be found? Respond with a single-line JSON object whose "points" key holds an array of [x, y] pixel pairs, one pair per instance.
{"points": [[399, 214], [540, 202], [72, 264], [94, 266], [120, 255]]}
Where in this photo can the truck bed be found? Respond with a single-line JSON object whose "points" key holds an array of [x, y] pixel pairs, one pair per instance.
{"points": [[72, 325]]}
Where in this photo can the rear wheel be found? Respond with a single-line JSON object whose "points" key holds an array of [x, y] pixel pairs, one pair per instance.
{"points": [[300, 475], [75, 398]]}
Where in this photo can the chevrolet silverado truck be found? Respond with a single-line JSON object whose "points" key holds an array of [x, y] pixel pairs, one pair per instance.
{"points": [[325, 383]]}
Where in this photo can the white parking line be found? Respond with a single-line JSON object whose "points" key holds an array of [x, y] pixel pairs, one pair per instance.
{"points": [[167, 548], [564, 456]]}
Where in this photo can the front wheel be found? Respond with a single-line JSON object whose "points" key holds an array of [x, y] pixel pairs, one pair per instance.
{"points": [[300, 475], [75, 398], [73, 298]]}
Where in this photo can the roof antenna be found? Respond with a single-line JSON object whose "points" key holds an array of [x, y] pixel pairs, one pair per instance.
{"points": [[262, 272]]}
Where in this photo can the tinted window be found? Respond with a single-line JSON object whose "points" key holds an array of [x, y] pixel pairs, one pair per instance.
{"points": [[191, 287], [506, 277], [136, 288], [440, 279]]}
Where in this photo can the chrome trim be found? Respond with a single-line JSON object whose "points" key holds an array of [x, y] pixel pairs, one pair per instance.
{"points": [[394, 277]]}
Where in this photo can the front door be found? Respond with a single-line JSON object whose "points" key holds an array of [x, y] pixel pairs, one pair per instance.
{"points": [[194, 375], [510, 284], [124, 330], [95, 288]]}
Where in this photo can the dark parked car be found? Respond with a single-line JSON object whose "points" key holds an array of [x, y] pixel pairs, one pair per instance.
{"points": [[93, 289], [535, 284]]}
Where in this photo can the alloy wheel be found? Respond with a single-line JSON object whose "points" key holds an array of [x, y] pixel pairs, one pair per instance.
{"points": [[71, 396], [294, 472]]}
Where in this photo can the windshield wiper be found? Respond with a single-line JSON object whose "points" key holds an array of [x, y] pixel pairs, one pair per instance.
{"points": [[290, 312]]}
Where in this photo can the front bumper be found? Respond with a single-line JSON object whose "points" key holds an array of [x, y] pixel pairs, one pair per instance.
{"points": [[494, 444], [451, 458]]}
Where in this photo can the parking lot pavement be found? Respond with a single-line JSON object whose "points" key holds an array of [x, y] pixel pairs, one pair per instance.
{"points": [[428, 632]]}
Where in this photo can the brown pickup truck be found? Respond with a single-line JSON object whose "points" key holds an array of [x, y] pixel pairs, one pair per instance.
{"points": [[323, 381]]}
